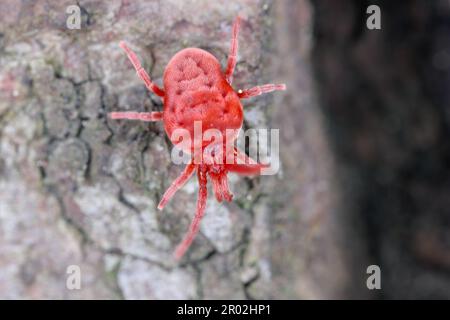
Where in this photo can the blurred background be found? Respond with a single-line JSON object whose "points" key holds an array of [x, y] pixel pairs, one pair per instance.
{"points": [[363, 125]]}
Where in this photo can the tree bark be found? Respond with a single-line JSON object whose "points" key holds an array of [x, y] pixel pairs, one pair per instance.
{"points": [[363, 176]]}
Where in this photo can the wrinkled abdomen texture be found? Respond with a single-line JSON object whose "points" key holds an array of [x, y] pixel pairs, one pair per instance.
{"points": [[196, 90]]}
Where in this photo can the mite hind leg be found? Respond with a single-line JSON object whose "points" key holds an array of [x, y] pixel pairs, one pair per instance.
{"points": [[258, 90], [232, 56], [140, 71]]}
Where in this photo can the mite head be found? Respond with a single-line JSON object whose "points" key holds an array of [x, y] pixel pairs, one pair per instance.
{"points": [[214, 156]]}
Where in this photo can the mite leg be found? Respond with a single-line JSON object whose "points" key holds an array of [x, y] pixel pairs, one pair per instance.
{"points": [[177, 184], [245, 165], [227, 195], [217, 187], [247, 169], [232, 56], [220, 187], [131, 115], [140, 71], [256, 91], [195, 224]]}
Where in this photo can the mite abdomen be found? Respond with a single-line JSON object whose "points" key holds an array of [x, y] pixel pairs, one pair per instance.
{"points": [[191, 69]]}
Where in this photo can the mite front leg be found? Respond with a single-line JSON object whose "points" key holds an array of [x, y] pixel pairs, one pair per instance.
{"points": [[244, 165], [227, 195], [232, 56], [142, 116], [217, 188], [177, 184], [258, 90], [140, 71], [195, 225]]}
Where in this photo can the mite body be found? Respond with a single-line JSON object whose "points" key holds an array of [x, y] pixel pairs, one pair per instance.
{"points": [[196, 90]]}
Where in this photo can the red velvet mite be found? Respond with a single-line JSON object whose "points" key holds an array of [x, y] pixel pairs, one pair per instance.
{"points": [[196, 90]]}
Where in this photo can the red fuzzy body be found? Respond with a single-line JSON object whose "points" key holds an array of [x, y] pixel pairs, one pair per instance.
{"points": [[196, 90]]}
